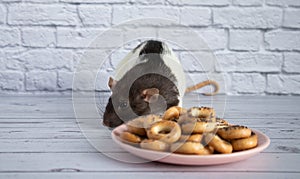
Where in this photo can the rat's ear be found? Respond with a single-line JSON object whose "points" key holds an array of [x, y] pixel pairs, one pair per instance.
{"points": [[150, 95], [112, 83]]}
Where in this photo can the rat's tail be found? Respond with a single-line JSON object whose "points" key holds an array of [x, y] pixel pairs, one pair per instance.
{"points": [[202, 84]]}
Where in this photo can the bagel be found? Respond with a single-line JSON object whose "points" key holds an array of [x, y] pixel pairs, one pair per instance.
{"points": [[202, 112], [166, 131], [173, 113], [138, 125], [246, 143], [191, 148], [221, 122], [197, 127], [234, 132], [218, 144], [130, 138], [150, 119], [191, 138], [156, 145], [193, 131]]}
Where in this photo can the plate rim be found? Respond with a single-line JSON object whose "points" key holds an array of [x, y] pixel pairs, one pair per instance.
{"points": [[248, 153]]}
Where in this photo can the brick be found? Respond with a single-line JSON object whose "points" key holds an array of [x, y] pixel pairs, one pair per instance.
{"points": [[282, 40], [47, 59], [65, 80], [248, 83], [14, 64], [9, 37], [249, 62], [197, 61], [248, 17], [89, 38], [84, 80], [95, 1], [11, 60], [11, 80], [291, 18], [152, 2], [80, 38], [244, 40], [134, 36], [93, 15], [41, 1], [194, 16], [183, 39], [2, 61], [91, 80], [283, 84], [9, 1], [215, 38], [202, 2], [41, 80], [42, 14], [2, 14], [247, 2], [291, 62], [125, 13], [283, 2], [38, 37], [91, 60]]}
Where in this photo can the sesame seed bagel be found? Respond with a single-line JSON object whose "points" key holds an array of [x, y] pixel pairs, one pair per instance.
{"points": [[246, 143], [202, 112], [234, 132], [197, 127]]}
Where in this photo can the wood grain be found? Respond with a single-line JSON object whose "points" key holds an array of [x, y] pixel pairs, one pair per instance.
{"points": [[41, 138]]}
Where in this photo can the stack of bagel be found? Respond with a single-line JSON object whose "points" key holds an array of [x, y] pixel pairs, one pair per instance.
{"points": [[188, 131]]}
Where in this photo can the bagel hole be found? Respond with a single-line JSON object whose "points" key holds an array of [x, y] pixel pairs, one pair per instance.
{"points": [[165, 131]]}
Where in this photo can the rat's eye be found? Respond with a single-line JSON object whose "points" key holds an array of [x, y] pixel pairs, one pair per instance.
{"points": [[123, 104]]}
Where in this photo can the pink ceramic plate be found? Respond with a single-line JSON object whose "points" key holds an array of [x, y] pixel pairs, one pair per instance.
{"points": [[263, 143]]}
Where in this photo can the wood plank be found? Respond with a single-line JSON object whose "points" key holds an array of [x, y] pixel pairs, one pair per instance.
{"points": [[73, 123], [287, 132], [39, 137], [236, 107], [55, 145], [47, 162], [149, 175], [82, 146], [35, 133]]}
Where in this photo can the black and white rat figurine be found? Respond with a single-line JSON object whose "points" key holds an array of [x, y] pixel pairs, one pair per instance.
{"points": [[148, 79]]}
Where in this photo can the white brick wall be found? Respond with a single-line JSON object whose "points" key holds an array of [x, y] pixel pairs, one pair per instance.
{"points": [[256, 42], [42, 14], [246, 40], [38, 37], [274, 40], [41, 81]]}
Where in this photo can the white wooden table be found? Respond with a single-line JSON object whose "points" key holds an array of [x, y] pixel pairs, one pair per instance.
{"points": [[39, 138]]}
